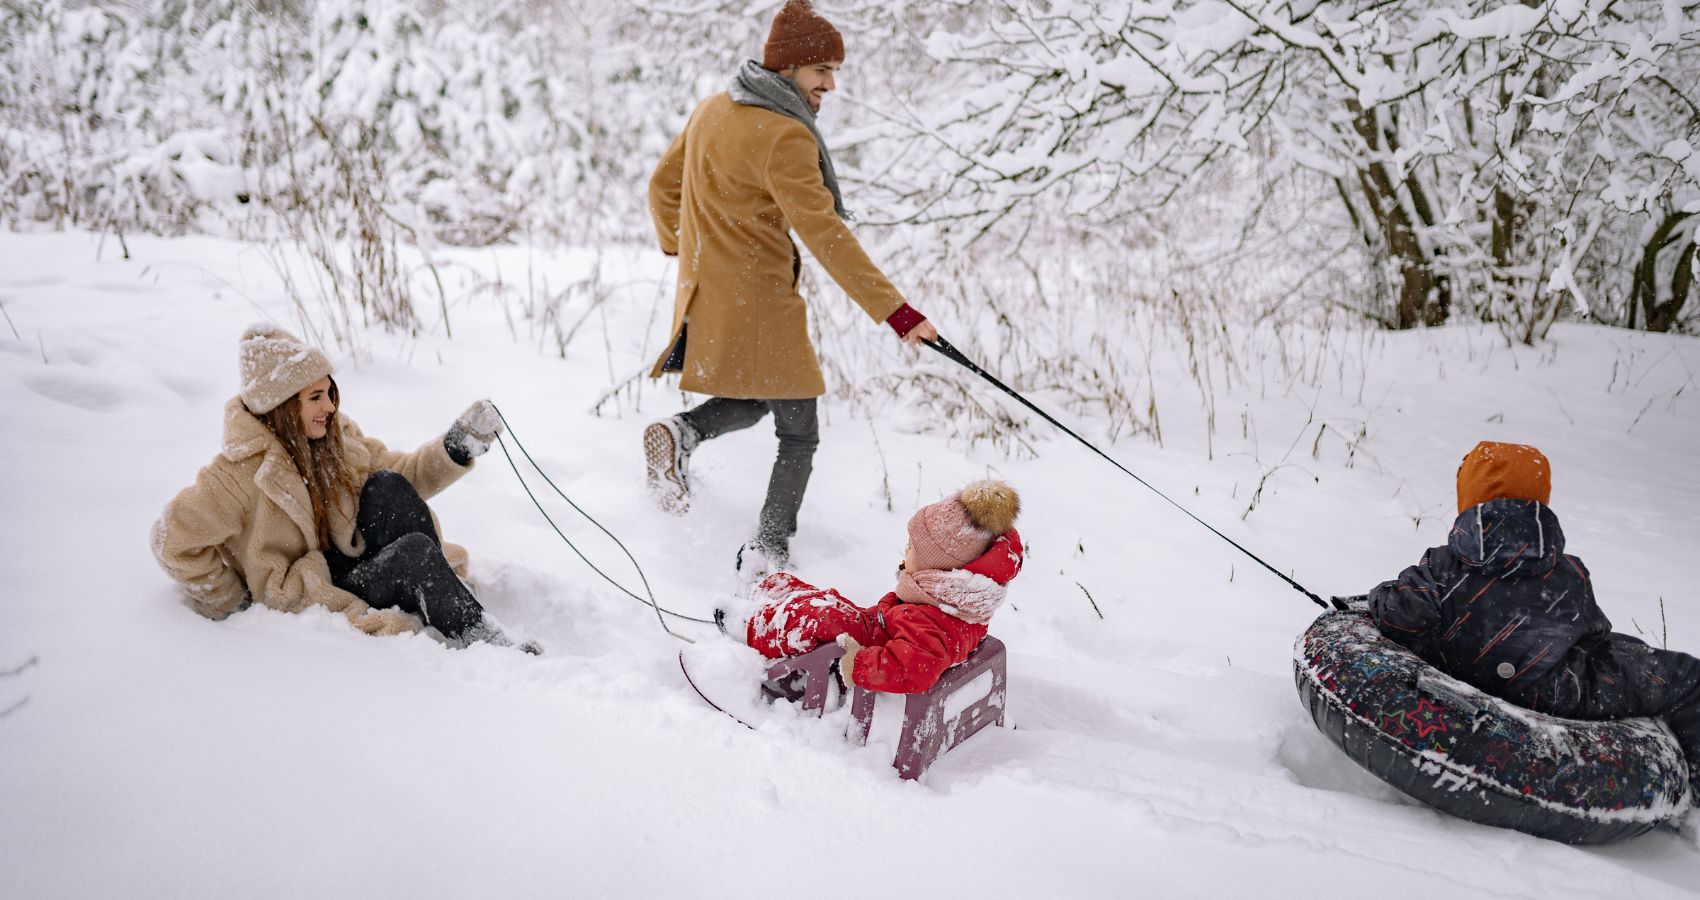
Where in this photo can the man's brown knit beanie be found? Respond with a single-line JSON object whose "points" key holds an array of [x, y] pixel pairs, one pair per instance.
{"points": [[800, 37]]}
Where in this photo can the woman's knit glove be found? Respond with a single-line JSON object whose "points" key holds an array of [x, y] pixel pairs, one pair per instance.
{"points": [[473, 432], [849, 659], [385, 622]]}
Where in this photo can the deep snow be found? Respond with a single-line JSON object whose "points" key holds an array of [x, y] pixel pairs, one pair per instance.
{"points": [[1160, 751]]}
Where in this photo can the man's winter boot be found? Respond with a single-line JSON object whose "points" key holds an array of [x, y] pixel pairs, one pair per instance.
{"points": [[667, 447]]}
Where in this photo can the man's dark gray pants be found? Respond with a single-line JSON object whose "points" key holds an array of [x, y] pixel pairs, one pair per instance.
{"points": [[798, 428]]}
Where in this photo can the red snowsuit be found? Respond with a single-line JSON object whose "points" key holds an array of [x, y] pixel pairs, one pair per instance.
{"points": [[905, 646]]}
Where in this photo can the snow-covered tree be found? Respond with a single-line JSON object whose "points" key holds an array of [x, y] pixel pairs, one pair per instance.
{"points": [[1480, 148], [1410, 160]]}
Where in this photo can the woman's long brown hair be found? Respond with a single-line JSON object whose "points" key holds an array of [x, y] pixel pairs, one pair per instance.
{"points": [[320, 461]]}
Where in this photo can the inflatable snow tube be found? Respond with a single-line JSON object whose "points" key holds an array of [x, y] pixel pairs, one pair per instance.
{"points": [[1480, 758]]}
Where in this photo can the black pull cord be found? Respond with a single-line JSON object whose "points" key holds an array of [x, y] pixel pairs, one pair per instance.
{"points": [[954, 355], [651, 601]]}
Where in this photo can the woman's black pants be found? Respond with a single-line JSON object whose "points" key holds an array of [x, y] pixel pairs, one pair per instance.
{"points": [[403, 565]]}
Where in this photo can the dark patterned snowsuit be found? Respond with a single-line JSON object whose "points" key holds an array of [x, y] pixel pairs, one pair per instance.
{"points": [[1502, 607]]}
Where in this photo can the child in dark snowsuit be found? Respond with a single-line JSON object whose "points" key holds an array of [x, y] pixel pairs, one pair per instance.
{"points": [[962, 553], [1502, 607]]}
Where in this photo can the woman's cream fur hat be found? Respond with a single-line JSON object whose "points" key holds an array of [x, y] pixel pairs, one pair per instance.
{"points": [[276, 366]]}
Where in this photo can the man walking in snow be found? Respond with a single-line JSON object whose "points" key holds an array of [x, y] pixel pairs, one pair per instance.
{"points": [[749, 168]]}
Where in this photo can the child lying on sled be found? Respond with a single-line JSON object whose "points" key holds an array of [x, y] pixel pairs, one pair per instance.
{"points": [[1502, 607], [962, 553]]}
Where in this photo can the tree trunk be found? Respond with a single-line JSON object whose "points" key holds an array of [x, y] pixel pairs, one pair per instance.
{"points": [[1662, 315], [1417, 281]]}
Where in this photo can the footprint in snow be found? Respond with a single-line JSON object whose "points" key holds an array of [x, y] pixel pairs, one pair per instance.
{"points": [[79, 389]]}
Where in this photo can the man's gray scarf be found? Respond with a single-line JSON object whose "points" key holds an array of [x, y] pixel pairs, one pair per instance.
{"points": [[756, 86]]}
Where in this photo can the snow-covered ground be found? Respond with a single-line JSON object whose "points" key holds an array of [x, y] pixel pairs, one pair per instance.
{"points": [[1160, 748]]}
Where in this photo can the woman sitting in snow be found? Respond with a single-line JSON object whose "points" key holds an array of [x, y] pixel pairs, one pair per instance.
{"points": [[962, 553], [1503, 607], [300, 509]]}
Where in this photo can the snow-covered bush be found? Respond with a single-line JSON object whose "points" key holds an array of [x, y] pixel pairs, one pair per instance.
{"points": [[488, 123]]}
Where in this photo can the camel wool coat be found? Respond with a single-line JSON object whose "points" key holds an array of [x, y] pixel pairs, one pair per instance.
{"points": [[245, 527], [725, 197]]}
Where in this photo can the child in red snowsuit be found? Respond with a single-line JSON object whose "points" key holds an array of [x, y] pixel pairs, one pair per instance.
{"points": [[962, 553]]}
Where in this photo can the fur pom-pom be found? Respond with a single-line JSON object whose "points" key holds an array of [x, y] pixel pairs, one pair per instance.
{"points": [[992, 504]]}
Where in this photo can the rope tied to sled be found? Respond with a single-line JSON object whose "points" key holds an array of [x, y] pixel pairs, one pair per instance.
{"points": [[660, 611], [949, 352]]}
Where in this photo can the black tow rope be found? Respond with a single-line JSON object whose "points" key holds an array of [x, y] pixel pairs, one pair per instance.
{"points": [[660, 611], [954, 355]]}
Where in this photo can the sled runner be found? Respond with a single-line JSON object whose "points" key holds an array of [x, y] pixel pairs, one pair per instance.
{"points": [[1478, 757]]}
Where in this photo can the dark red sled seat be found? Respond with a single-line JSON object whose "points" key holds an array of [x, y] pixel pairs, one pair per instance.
{"points": [[927, 735]]}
